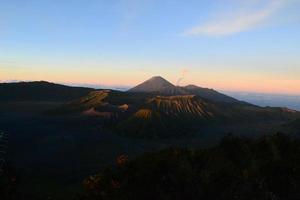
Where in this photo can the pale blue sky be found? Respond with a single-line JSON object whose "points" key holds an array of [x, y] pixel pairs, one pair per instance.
{"points": [[251, 45]]}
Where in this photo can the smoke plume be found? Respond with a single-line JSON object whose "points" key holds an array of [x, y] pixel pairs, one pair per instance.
{"points": [[182, 76]]}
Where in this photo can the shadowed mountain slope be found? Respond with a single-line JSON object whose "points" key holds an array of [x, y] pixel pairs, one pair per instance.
{"points": [[40, 91], [104, 101], [291, 127], [296, 125], [210, 94]]}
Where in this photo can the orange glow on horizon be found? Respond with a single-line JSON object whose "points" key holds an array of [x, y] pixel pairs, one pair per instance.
{"points": [[226, 81]]}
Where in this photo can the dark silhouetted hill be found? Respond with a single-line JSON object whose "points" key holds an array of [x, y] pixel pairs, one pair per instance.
{"points": [[291, 127], [40, 91], [210, 94]]}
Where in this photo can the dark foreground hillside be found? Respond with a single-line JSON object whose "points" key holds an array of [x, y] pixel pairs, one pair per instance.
{"points": [[237, 168], [266, 169]]}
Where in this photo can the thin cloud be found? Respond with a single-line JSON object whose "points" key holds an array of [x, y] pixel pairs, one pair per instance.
{"points": [[240, 21]]}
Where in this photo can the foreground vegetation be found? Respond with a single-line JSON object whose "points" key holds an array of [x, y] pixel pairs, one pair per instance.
{"points": [[8, 184], [238, 168]]}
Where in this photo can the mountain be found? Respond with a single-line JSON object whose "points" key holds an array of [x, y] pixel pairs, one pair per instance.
{"points": [[40, 91], [158, 85], [156, 108], [172, 116], [291, 127], [161, 86], [210, 94], [104, 101], [296, 125], [169, 116], [155, 116]]}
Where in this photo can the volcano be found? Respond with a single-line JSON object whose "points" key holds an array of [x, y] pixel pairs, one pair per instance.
{"points": [[158, 85], [158, 109]]}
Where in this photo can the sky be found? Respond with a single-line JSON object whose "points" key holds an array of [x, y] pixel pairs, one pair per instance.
{"points": [[232, 45]]}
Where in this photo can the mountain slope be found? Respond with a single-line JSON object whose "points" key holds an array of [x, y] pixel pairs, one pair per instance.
{"points": [[158, 85], [291, 127], [210, 94], [170, 116], [104, 101], [296, 125], [40, 91], [144, 112], [174, 116]]}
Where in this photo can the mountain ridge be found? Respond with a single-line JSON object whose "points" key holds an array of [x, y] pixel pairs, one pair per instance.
{"points": [[154, 116], [161, 86], [161, 109], [40, 91]]}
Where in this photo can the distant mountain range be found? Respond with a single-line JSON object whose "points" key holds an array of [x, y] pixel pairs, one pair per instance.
{"points": [[155, 108]]}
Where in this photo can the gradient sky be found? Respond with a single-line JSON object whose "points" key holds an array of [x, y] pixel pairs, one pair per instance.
{"points": [[238, 45]]}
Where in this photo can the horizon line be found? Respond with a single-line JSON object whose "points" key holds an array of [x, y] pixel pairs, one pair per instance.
{"points": [[127, 87]]}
